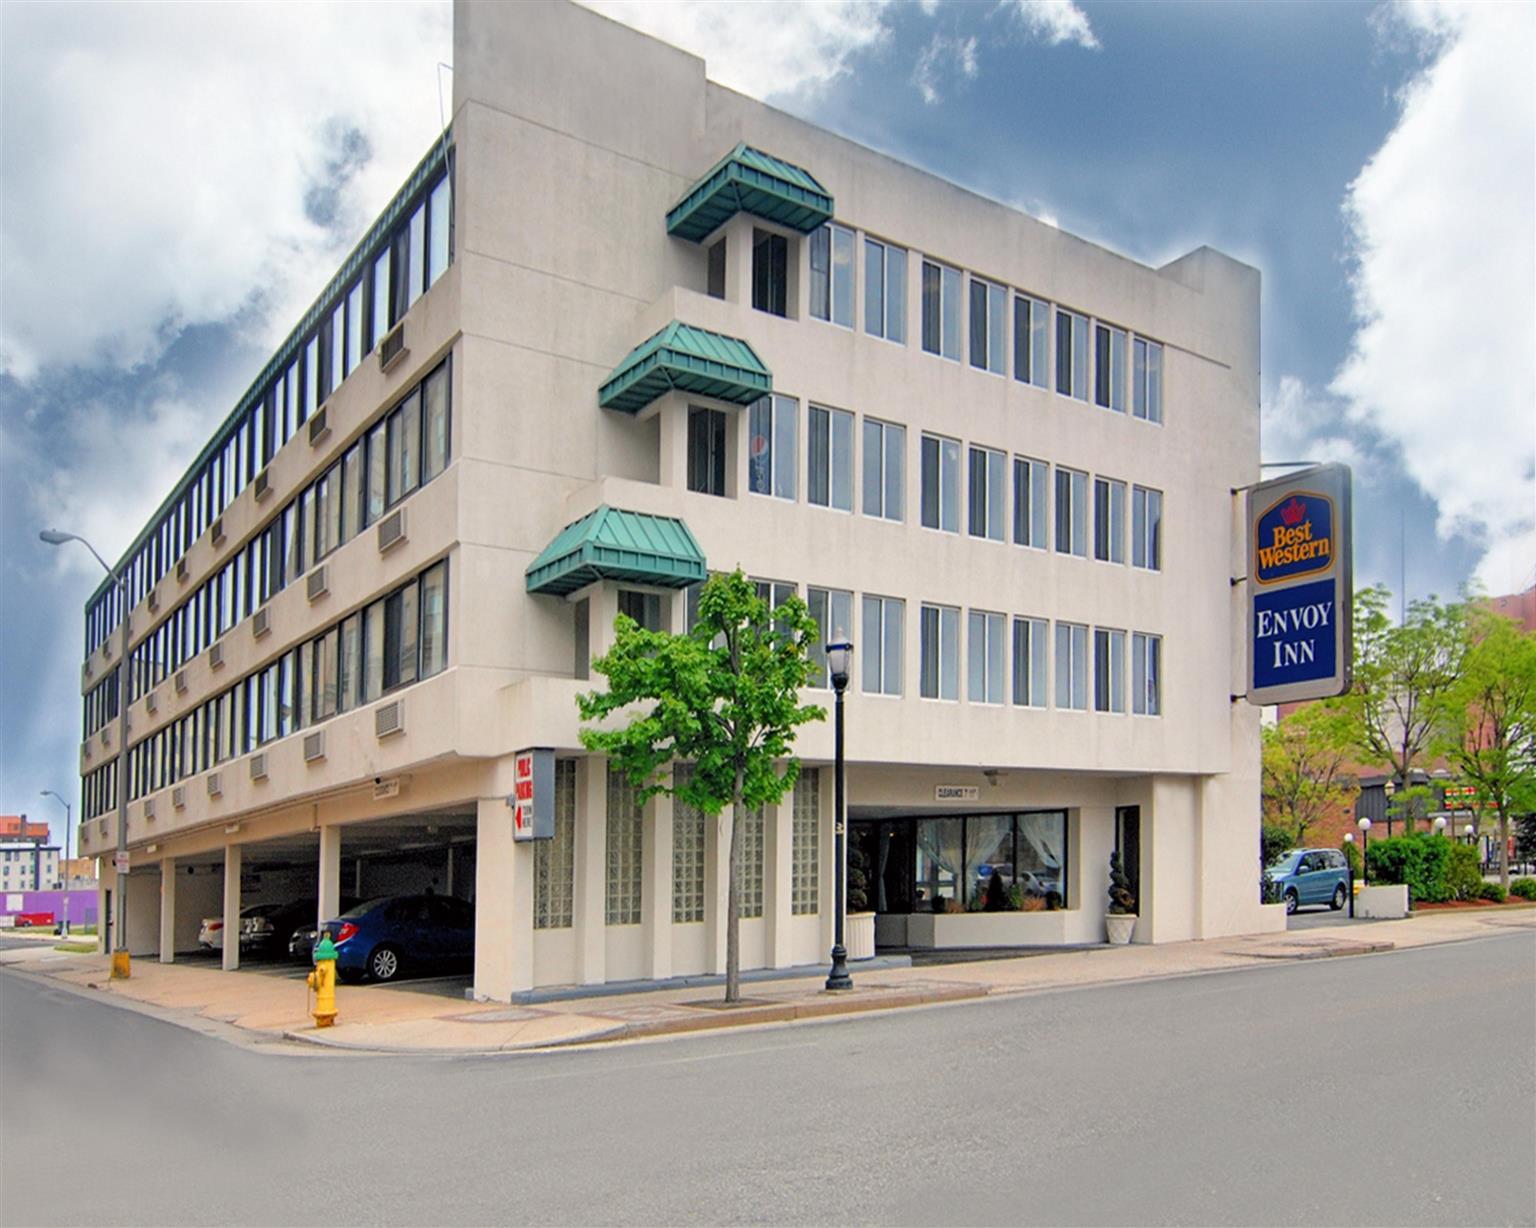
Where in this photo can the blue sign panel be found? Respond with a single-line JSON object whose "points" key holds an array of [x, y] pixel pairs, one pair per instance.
{"points": [[1293, 537], [1295, 634]]}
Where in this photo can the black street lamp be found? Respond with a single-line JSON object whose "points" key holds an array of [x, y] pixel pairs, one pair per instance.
{"points": [[839, 657], [1349, 838]]}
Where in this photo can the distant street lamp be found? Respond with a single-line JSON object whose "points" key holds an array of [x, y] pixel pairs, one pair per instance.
{"points": [[120, 960], [839, 657], [1389, 788], [1439, 825], [1365, 843], [64, 877]]}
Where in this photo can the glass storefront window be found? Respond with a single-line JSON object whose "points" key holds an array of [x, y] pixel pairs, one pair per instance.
{"points": [[949, 864]]}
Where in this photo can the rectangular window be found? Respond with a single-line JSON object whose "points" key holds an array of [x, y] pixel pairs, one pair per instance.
{"points": [[833, 611], [829, 468], [881, 648], [749, 863], [831, 259], [1031, 498], [1108, 670], [554, 861], [380, 298], [941, 483], [1108, 520], [772, 448], [434, 443], [1071, 512], [687, 854], [1146, 674], [644, 608], [805, 843], [940, 672], [1147, 380], [351, 497], [706, 451], [1029, 651], [1109, 367], [335, 348], [373, 651], [440, 208], [378, 456], [989, 493], [1072, 354], [414, 283], [1071, 666], [941, 310], [625, 871], [311, 380], [989, 324], [985, 657], [323, 674], [885, 291], [1031, 341], [349, 669], [885, 450], [715, 275], [1146, 528], [773, 593], [434, 620], [770, 272], [403, 441], [354, 327]]}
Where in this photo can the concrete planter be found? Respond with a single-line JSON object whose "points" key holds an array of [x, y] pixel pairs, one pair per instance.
{"points": [[1388, 902], [860, 932], [1120, 927], [988, 929]]}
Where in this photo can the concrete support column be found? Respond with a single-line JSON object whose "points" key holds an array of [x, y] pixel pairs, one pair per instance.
{"points": [[167, 910], [329, 893], [778, 823], [717, 884], [232, 858], [656, 895], [105, 906], [503, 905], [590, 900], [673, 468]]}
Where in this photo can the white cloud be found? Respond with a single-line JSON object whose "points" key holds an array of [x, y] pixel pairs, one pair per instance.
{"points": [[944, 54], [161, 160], [1054, 21], [1298, 423], [1442, 362], [788, 47]]}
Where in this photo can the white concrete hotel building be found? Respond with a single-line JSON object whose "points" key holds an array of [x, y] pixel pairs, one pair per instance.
{"points": [[623, 325]]}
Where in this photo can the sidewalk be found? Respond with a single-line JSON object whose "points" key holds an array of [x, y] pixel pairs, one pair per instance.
{"points": [[399, 1020]]}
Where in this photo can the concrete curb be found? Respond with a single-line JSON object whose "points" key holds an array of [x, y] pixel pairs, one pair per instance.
{"points": [[1321, 951]]}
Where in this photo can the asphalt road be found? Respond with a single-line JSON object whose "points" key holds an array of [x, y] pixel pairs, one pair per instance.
{"points": [[1387, 1089]]}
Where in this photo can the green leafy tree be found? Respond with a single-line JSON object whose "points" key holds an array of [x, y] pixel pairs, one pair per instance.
{"points": [[1403, 673], [725, 697], [1488, 720], [1306, 767]]}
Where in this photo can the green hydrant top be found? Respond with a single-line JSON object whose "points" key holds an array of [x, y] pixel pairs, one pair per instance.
{"points": [[325, 949]]}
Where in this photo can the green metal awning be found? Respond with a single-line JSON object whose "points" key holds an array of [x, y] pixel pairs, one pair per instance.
{"points": [[751, 181], [612, 544], [687, 358]]}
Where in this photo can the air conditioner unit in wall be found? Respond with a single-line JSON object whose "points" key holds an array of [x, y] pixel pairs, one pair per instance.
{"points": [[389, 719], [181, 569], [106, 736], [261, 623], [319, 426], [263, 485], [317, 585], [179, 797], [218, 531], [151, 702], [392, 530], [215, 784], [216, 656], [181, 682], [392, 349], [154, 599], [259, 766], [314, 746], [149, 807]]}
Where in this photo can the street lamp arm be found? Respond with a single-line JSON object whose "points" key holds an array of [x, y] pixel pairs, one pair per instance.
{"points": [[55, 537]]}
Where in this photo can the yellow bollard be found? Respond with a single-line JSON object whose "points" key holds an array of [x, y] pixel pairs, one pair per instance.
{"points": [[121, 966], [323, 981]]}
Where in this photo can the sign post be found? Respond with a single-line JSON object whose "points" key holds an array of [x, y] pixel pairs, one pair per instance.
{"points": [[1300, 586]]}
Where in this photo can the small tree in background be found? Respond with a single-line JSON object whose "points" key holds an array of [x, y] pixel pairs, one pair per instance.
{"points": [[1305, 760], [1488, 720], [725, 697]]}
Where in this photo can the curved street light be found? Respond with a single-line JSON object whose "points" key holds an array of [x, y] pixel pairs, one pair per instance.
{"points": [[119, 948]]}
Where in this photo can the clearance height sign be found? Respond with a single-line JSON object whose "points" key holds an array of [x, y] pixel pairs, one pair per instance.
{"points": [[1301, 585]]}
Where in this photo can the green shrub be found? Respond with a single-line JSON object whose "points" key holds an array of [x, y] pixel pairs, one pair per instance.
{"points": [[1274, 842], [1418, 860], [1494, 892], [1525, 888], [1463, 876]]}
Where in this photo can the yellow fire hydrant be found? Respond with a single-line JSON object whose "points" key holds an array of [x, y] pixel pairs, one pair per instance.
{"points": [[323, 981]]}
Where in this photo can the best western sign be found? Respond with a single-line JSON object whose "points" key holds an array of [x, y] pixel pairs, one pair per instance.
{"points": [[1301, 581]]}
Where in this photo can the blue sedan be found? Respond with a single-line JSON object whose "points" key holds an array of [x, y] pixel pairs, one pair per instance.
{"points": [[380, 938]]}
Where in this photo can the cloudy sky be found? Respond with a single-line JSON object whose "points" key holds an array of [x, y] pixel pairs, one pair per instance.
{"points": [[179, 181]]}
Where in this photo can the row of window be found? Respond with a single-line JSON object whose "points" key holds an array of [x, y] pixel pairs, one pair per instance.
{"points": [[405, 448], [1093, 360], [390, 643], [100, 706], [555, 859], [402, 265], [773, 456]]}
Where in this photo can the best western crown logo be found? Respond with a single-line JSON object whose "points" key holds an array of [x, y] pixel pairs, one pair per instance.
{"points": [[1294, 537]]}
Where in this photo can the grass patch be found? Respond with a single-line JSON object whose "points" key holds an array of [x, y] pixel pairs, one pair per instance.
{"points": [[75, 948]]}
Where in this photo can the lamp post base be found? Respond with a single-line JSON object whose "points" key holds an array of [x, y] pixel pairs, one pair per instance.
{"points": [[839, 978]]}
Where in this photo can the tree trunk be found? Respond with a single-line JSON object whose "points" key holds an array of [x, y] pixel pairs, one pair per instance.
{"points": [[1504, 848], [733, 903]]}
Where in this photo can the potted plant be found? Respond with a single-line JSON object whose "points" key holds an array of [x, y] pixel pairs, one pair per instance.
{"points": [[861, 918], [1120, 920]]}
